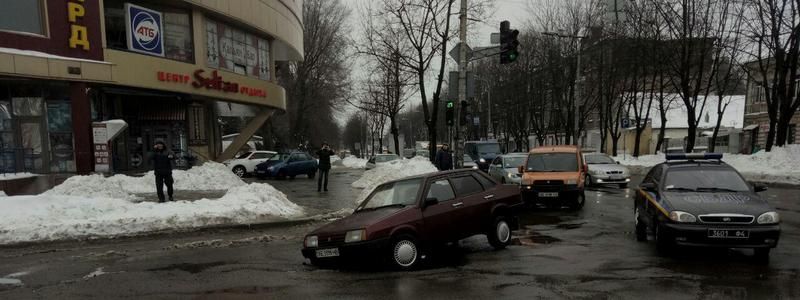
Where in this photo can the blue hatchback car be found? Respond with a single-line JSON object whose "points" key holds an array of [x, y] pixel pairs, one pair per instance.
{"points": [[287, 165]]}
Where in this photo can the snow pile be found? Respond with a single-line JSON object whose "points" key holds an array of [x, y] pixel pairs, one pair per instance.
{"points": [[209, 176], [781, 165], [354, 162], [10, 176], [54, 217], [392, 171], [3, 194]]}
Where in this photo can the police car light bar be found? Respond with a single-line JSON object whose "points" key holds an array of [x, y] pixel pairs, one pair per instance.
{"points": [[690, 156]]}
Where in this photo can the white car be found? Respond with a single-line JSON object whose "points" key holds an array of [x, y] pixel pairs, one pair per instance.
{"points": [[246, 162], [381, 159]]}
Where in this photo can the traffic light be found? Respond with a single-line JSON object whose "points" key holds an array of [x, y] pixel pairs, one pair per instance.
{"points": [[464, 113], [449, 113], [508, 43]]}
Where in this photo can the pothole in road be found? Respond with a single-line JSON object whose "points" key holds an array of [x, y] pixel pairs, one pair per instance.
{"points": [[532, 238], [191, 268], [248, 290]]}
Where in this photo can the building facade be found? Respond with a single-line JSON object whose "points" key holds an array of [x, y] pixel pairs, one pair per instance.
{"points": [[756, 117], [168, 69]]}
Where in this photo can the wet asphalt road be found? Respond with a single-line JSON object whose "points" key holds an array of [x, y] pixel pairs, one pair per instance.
{"points": [[588, 254]]}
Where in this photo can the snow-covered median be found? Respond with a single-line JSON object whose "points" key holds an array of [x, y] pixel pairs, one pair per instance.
{"points": [[94, 206], [392, 171], [353, 162], [781, 165]]}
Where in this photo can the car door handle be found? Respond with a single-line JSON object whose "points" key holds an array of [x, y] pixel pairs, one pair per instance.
{"points": [[487, 197], [459, 204]]}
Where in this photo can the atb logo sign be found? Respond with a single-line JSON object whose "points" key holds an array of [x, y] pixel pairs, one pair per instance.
{"points": [[145, 30]]}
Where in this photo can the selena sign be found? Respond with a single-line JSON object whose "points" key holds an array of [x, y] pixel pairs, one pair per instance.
{"points": [[144, 30], [212, 82]]}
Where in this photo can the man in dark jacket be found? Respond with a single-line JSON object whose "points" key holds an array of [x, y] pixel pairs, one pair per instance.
{"points": [[162, 167], [324, 166], [444, 159]]}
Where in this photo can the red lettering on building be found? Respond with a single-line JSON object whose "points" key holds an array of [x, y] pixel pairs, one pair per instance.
{"points": [[214, 82]]}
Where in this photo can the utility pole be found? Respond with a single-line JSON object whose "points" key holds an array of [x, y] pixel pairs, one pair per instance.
{"points": [[458, 145]]}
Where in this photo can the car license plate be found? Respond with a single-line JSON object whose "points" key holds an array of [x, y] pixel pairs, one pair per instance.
{"points": [[728, 234], [616, 177], [333, 252], [548, 195]]}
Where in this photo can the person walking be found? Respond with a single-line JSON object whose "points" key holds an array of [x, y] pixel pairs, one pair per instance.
{"points": [[324, 166], [444, 158], [161, 158]]}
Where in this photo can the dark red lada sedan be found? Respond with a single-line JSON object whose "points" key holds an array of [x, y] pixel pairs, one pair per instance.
{"points": [[400, 218]]}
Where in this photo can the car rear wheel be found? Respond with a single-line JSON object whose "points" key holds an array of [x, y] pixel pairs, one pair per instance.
{"points": [[500, 234], [588, 181], [641, 228], [239, 171], [405, 253]]}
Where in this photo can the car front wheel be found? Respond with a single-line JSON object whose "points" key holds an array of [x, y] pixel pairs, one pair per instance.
{"points": [[500, 234], [405, 253], [578, 202], [239, 171]]}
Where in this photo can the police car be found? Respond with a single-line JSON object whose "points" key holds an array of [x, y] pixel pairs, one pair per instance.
{"points": [[698, 200]]}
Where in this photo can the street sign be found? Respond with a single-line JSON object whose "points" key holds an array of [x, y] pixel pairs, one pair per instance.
{"points": [[494, 38], [455, 53], [626, 123]]}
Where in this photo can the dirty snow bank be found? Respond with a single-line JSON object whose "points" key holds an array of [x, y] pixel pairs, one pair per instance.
{"points": [[353, 162], [55, 217], [209, 176], [394, 170], [781, 165]]}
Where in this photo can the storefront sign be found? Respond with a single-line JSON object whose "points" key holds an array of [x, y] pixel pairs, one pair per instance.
{"points": [[144, 30], [213, 81], [79, 34]]}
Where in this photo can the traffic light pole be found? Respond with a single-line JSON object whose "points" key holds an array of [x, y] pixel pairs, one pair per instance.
{"points": [[457, 144]]}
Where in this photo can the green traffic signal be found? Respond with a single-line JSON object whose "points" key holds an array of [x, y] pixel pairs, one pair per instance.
{"points": [[449, 104]]}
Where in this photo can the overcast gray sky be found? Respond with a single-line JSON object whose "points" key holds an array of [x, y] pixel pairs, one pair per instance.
{"points": [[512, 10]]}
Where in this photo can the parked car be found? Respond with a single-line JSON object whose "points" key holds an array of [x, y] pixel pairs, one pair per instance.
{"points": [[604, 170], [399, 220], [246, 162], [469, 163], [505, 168], [288, 165], [554, 176], [381, 159], [482, 153], [698, 200]]}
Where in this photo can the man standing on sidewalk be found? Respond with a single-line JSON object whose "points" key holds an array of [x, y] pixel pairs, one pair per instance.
{"points": [[324, 166], [162, 167], [444, 158]]}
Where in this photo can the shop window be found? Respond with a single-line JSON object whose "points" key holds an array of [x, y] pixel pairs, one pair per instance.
{"points": [[22, 16], [6, 126], [235, 50], [27, 106], [178, 42]]}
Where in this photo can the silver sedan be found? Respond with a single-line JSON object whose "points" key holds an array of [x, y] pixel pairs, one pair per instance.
{"points": [[505, 169], [604, 170]]}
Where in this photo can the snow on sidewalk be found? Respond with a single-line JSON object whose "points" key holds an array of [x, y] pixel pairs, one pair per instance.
{"points": [[392, 171], [94, 206], [781, 165], [353, 162]]}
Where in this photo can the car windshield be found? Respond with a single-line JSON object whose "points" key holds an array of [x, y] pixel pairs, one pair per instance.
{"points": [[598, 159], [400, 193], [513, 161], [553, 162], [488, 148], [385, 158], [282, 156], [244, 155], [705, 179]]}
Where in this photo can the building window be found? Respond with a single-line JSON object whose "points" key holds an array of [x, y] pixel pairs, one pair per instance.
{"points": [[235, 50], [178, 41], [721, 141], [22, 16], [792, 134]]}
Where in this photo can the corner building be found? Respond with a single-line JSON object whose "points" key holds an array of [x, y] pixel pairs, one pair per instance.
{"points": [[169, 69]]}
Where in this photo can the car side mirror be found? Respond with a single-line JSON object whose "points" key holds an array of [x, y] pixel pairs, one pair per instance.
{"points": [[759, 188], [648, 186], [431, 201]]}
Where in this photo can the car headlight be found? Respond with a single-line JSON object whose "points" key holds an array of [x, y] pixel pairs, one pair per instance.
{"points": [[355, 236], [482, 160], [595, 172], [311, 241], [682, 217], [769, 218], [513, 175], [572, 181], [475, 167]]}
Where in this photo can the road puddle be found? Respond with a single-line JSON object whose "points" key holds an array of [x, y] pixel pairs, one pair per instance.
{"points": [[191, 268], [532, 238]]}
